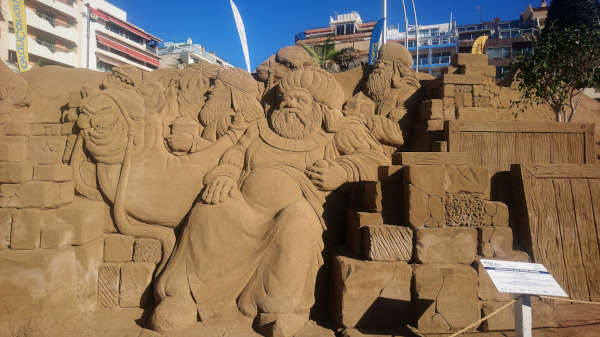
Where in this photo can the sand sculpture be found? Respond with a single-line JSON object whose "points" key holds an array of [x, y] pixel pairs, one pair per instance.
{"points": [[208, 201]]}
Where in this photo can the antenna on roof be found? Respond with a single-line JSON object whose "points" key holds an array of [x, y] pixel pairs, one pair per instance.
{"points": [[480, 18]]}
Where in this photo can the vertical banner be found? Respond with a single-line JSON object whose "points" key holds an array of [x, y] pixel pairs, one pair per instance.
{"points": [[375, 41], [242, 32], [17, 9]]}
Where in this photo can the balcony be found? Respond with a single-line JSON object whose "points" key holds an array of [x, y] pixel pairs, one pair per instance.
{"points": [[43, 24], [37, 49], [102, 29], [61, 7], [120, 59]]}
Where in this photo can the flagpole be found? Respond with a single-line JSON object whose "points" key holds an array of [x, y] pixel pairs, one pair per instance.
{"points": [[384, 21], [417, 32], [405, 23]]}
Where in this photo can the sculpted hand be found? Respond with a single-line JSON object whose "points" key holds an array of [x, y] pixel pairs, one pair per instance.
{"points": [[180, 141], [327, 175], [219, 190]]}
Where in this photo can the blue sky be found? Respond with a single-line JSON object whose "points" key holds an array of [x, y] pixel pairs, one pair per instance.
{"points": [[272, 24]]}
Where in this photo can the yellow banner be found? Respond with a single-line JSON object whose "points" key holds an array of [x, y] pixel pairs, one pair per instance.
{"points": [[17, 9]]}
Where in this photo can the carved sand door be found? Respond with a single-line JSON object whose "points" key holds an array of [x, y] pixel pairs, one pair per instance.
{"points": [[559, 216]]}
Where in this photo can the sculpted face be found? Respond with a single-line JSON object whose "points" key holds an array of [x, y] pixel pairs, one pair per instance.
{"points": [[295, 118], [379, 82]]}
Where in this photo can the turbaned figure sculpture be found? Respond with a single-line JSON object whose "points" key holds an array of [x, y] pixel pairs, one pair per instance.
{"points": [[253, 245]]}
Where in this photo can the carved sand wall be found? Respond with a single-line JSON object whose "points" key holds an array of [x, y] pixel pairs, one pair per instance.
{"points": [[212, 202], [497, 145]]}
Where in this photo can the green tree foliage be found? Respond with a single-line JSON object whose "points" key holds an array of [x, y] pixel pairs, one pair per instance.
{"points": [[328, 52], [568, 13], [565, 61], [566, 58]]}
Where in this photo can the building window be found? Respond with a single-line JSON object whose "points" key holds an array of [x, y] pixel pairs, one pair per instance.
{"points": [[103, 66], [12, 56], [528, 50], [441, 58], [345, 29], [123, 32], [46, 43], [502, 71], [498, 53], [46, 16]]}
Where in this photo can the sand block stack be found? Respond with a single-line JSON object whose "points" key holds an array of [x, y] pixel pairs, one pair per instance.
{"points": [[465, 91], [125, 277], [427, 221]]}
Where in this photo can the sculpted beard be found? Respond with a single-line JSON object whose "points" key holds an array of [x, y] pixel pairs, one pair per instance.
{"points": [[288, 124], [217, 107], [378, 84]]}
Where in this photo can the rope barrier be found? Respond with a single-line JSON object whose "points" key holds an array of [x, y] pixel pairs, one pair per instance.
{"points": [[484, 318], [567, 300], [509, 304]]}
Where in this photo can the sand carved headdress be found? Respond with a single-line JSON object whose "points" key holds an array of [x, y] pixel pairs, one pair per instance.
{"points": [[319, 83], [396, 53]]}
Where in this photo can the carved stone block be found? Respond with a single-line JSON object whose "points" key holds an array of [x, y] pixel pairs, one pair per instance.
{"points": [[446, 295], [504, 320], [17, 128], [13, 149], [446, 245], [135, 289], [51, 172], [118, 248], [7, 216], [43, 194], [15, 172], [427, 178], [26, 228], [46, 149], [87, 218], [466, 179], [464, 210], [356, 221], [495, 241], [439, 146], [387, 243], [109, 275], [370, 294], [391, 173], [147, 250], [89, 258], [66, 192], [416, 208], [56, 235], [476, 114], [431, 109], [472, 59]]}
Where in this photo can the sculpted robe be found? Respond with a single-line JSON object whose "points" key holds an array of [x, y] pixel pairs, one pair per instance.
{"points": [[259, 252]]}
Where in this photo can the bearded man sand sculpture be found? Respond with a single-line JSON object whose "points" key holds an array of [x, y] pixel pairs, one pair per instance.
{"points": [[254, 245], [393, 85]]}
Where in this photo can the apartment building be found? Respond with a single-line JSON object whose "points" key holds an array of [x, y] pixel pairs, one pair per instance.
{"points": [[180, 54], [436, 44], [506, 38], [110, 40], [53, 28], [345, 30], [89, 34]]}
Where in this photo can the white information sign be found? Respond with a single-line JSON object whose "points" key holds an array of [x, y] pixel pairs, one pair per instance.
{"points": [[522, 278]]}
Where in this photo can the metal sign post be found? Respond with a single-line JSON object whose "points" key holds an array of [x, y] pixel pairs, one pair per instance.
{"points": [[523, 323], [525, 279]]}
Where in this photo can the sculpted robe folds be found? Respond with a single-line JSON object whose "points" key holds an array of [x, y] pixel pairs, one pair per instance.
{"points": [[259, 251]]}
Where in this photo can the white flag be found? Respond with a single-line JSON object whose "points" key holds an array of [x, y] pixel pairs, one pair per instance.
{"points": [[242, 32]]}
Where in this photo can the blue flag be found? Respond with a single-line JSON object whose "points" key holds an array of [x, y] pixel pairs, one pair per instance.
{"points": [[375, 41]]}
